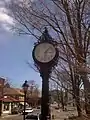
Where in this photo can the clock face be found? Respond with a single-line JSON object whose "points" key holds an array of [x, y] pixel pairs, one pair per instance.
{"points": [[45, 52]]}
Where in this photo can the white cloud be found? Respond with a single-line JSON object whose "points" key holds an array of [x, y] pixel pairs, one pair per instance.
{"points": [[5, 18], [5, 21]]}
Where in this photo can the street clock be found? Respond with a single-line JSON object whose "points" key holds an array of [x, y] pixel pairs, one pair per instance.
{"points": [[44, 52]]}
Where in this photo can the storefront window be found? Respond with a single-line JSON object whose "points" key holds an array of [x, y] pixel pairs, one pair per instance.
{"points": [[6, 106]]}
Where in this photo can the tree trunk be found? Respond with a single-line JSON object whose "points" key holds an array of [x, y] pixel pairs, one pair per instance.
{"points": [[76, 91], [86, 92], [58, 92], [62, 101], [77, 100], [78, 107]]}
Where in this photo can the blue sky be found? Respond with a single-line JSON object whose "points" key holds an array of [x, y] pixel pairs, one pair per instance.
{"points": [[14, 54], [15, 51]]}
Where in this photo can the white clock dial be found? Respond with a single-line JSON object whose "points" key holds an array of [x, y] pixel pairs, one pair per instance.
{"points": [[45, 52]]}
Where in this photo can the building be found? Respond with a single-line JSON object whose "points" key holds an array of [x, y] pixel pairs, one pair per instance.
{"points": [[11, 98], [14, 97], [7, 103], [14, 93]]}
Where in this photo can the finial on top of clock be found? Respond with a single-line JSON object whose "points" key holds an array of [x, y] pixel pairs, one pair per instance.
{"points": [[46, 30], [45, 36]]}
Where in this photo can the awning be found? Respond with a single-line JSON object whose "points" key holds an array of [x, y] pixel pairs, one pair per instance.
{"points": [[8, 99], [22, 103]]}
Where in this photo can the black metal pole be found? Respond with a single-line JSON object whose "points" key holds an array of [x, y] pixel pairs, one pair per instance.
{"points": [[24, 105], [45, 111]]}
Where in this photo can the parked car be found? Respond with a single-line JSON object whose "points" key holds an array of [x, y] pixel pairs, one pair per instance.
{"points": [[33, 117], [57, 108], [28, 110], [39, 107], [15, 110], [21, 111]]}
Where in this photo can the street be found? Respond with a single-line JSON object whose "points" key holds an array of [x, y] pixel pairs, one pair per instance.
{"points": [[58, 114], [12, 117], [17, 117]]}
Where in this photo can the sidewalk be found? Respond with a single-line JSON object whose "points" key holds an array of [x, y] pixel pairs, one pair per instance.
{"points": [[61, 115], [7, 115]]}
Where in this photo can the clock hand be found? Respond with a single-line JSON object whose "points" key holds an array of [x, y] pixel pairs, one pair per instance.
{"points": [[47, 50]]}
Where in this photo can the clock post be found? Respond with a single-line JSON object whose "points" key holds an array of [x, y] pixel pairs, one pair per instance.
{"points": [[45, 110], [45, 55]]}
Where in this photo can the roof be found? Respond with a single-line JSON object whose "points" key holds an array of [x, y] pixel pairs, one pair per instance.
{"points": [[2, 81], [20, 91], [8, 99], [12, 91]]}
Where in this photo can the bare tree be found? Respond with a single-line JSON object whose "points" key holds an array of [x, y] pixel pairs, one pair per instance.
{"points": [[70, 23], [64, 79], [33, 88], [33, 93]]}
